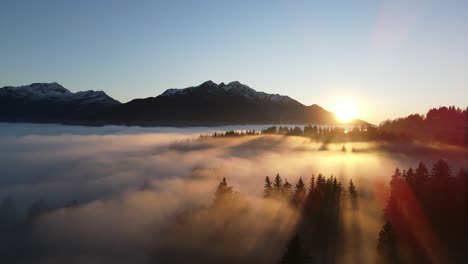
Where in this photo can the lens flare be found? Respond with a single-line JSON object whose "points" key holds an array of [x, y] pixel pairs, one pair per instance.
{"points": [[346, 111]]}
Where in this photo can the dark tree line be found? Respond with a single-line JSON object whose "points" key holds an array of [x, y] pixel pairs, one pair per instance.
{"points": [[338, 134], [320, 133], [317, 234], [233, 133], [443, 124], [426, 216]]}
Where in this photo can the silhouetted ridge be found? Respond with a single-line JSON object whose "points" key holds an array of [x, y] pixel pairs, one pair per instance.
{"points": [[50, 102], [210, 104], [206, 104]]}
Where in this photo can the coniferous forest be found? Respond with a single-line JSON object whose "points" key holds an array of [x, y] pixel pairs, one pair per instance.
{"points": [[426, 216], [424, 220], [440, 125]]}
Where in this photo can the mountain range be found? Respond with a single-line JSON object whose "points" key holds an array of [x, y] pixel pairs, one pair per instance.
{"points": [[50, 102], [206, 104]]}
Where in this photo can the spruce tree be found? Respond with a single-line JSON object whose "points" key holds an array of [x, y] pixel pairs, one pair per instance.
{"points": [[277, 185], [299, 193], [440, 172], [421, 179], [421, 175], [352, 189], [268, 188], [312, 183], [311, 193], [336, 186], [287, 189], [223, 192], [410, 177]]}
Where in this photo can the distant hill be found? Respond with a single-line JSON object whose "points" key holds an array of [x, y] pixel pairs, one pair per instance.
{"points": [[206, 104], [50, 102]]}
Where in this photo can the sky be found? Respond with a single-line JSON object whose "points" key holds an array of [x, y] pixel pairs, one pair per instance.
{"points": [[391, 58]]}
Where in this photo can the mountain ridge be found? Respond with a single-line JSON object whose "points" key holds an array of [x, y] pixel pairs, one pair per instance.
{"points": [[50, 102], [206, 104], [210, 103]]}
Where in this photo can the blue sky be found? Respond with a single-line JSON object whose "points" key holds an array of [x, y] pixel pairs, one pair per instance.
{"points": [[392, 58]]}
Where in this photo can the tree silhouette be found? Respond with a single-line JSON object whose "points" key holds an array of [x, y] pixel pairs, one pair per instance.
{"points": [[352, 189], [277, 186], [287, 189], [441, 172], [223, 192], [312, 183], [423, 208], [299, 193], [268, 188]]}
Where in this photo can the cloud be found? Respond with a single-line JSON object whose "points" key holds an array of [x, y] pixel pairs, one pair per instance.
{"points": [[146, 198]]}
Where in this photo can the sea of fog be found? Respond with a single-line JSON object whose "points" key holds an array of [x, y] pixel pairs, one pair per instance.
{"points": [[130, 183], [23, 129]]}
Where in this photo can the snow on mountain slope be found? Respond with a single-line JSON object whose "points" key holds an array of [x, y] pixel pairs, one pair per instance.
{"points": [[233, 88], [37, 91], [55, 92]]}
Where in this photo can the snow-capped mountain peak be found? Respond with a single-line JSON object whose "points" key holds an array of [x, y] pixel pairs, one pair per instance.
{"points": [[56, 92], [233, 88], [37, 90]]}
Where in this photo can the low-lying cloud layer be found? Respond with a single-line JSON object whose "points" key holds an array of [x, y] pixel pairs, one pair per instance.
{"points": [[146, 197]]}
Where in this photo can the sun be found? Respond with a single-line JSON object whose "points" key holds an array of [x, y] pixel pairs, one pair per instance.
{"points": [[346, 111]]}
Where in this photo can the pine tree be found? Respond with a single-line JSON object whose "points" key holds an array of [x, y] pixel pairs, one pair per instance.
{"points": [[421, 180], [223, 192], [421, 175], [352, 189], [440, 172], [410, 177], [310, 195], [277, 185], [320, 181], [395, 178], [287, 189], [268, 188], [336, 186], [312, 184], [393, 205], [299, 193]]}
